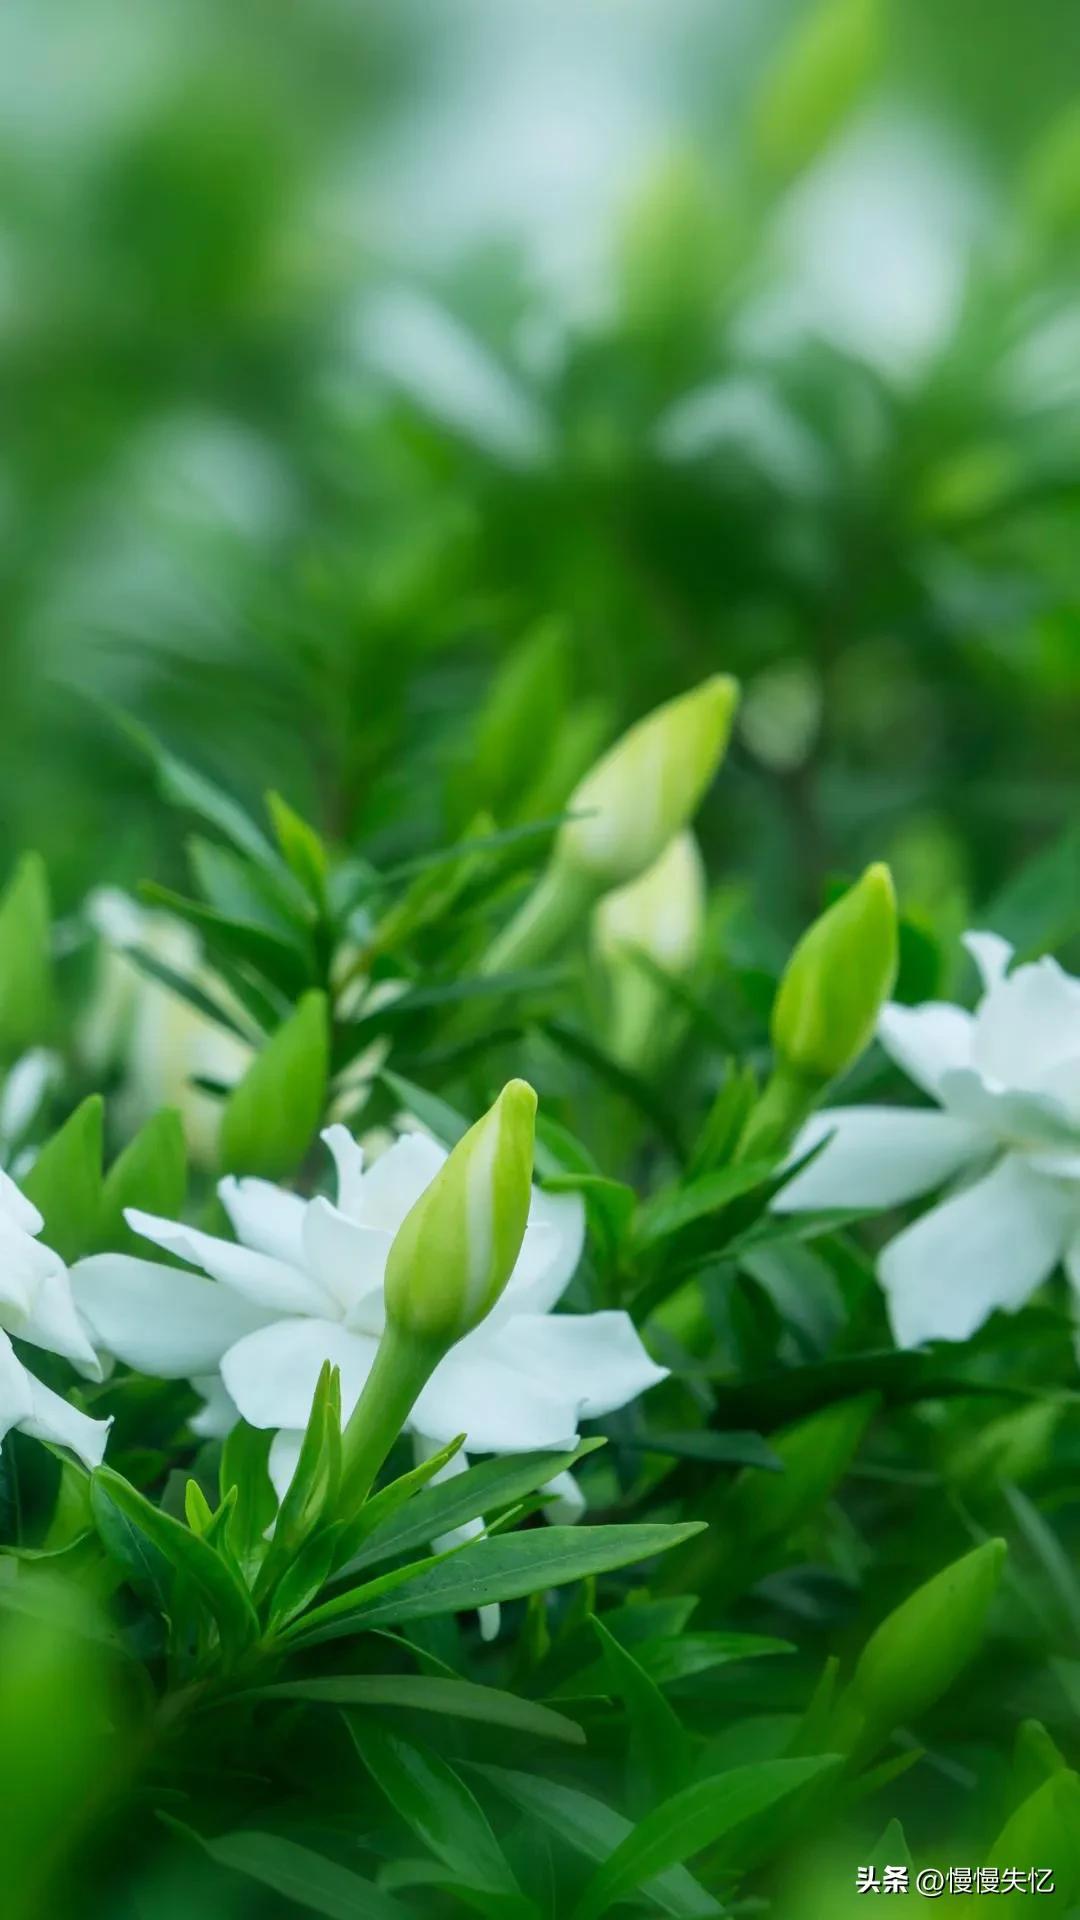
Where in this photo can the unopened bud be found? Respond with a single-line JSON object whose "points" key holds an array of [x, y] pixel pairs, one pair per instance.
{"points": [[456, 1249], [837, 980], [916, 1653], [661, 914], [647, 786]]}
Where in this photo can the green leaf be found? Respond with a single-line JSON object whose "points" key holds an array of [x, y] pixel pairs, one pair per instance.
{"points": [[380, 1509], [287, 961], [183, 786], [148, 1569], [244, 1458], [667, 1660], [722, 1449], [304, 852], [431, 1693], [658, 1743], [150, 1173], [485, 1488], [437, 1115], [297, 1873], [596, 1831], [692, 1820], [271, 1117], [310, 1495], [235, 887], [672, 1212], [436, 1804], [26, 977], [189, 991], [227, 1599], [504, 1568], [65, 1183]]}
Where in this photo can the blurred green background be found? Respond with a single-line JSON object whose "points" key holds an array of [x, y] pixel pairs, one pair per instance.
{"points": [[342, 345]]}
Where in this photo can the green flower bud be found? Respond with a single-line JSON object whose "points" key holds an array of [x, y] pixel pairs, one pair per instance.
{"points": [[647, 786], [456, 1249], [916, 1653], [1043, 1833], [661, 913], [836, 982]]}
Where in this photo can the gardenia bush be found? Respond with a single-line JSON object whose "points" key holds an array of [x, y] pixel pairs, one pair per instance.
{"points": [[568, 1504]]}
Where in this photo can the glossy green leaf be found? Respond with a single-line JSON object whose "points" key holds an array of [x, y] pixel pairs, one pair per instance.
{"points": [[273, 1114], [151, 1173], [690, 1821], [430, 1693], [26, 975], [299, 1874], [435, 1802], [65, 1182], [208, 1572]]}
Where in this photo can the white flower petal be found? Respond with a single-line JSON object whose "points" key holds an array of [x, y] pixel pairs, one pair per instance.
{"points": [[283, 1458], [349, 1161], [159, 1319], [926, 1041], [24, 1265], [564, 1502], [991, 955], [219, 1413], [272, 1374], [53, 1323], [496, 1406], [550, 1251], [877, 1157], [394, 1184], [16, 1208], [988, 1247], [1012, 1115], [1027, 1025], [24, 1089], [16, 1404], [258, 1277], [348, 1261], [597, 1360], [51, 1417], [265, 1217]]}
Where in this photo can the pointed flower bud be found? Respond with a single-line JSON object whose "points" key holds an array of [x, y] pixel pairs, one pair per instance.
{"points": [[662, 913], [456, 1249], [647, 786], [660, 916], [836, 981], [916, 1653]]}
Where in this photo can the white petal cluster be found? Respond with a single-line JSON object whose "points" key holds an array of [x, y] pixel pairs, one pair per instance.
{"points": [[36, 1306], [303, 1283], [1004, 1136]]}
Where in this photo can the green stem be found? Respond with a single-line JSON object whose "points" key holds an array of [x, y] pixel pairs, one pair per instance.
{"points": [[403, 1366], [560, 900], [775, 1119]]}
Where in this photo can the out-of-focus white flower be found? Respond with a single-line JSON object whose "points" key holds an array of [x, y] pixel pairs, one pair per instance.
{"points": [[1007, 1082], [36, 1306], [162, 1040], [660, 915], [303, 1283], [23, 1091]]}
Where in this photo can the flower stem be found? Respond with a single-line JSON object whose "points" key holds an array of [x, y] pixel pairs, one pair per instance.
{"points": [[776, 1117], [560, 900], [403, 1366]]}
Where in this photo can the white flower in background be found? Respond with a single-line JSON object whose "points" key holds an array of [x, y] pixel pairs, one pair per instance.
{"points": [[162, 1041], [36, 1306], [1007, 1082], [303, 1283], [24, 1089]]}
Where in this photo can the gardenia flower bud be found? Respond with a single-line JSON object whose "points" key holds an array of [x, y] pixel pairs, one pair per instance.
{"points": [[661, 914], [647, 786], [916, 1653], [837, 980], [641, 793], [455, 1250]]}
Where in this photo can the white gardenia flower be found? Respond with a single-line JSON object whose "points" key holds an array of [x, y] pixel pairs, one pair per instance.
{"points": [[36, 1306], [1007, 1082], [303, 1283], [163, 1043]]}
